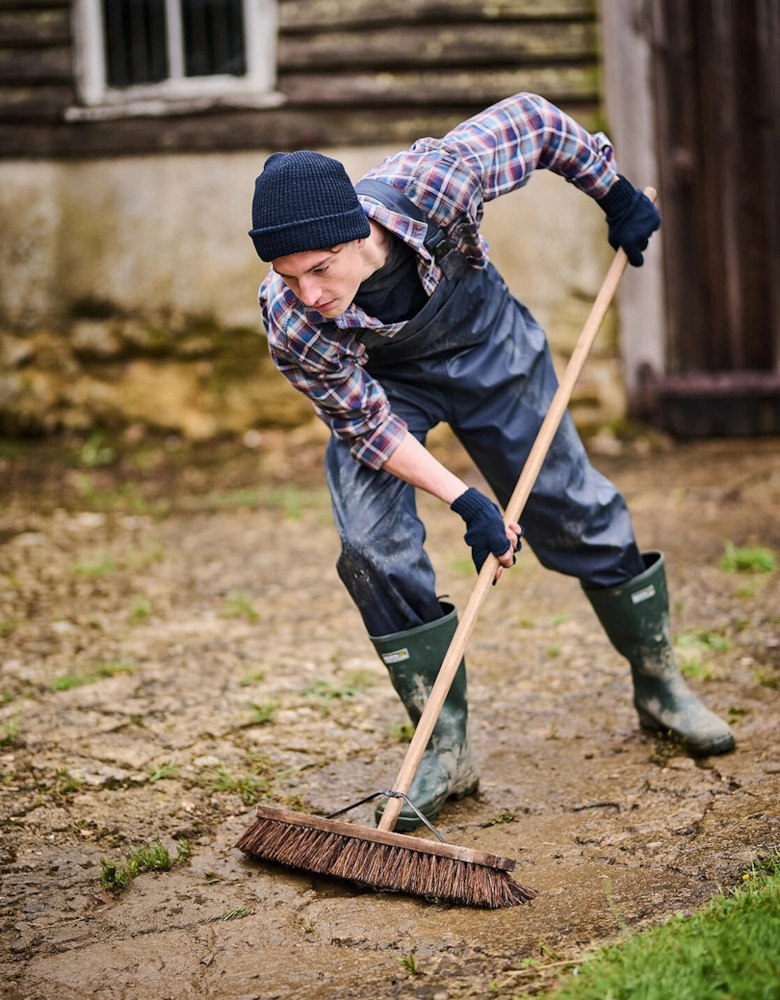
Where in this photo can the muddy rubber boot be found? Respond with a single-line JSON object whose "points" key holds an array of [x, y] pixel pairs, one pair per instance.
{"points": [[449, 766], [635, 616]]}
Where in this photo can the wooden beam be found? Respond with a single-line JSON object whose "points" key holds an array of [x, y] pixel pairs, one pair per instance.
{"points": [[20, 104], [480, 87], [319, 15], [268, 130], [435, 45], [44, 66], [34, 28]]}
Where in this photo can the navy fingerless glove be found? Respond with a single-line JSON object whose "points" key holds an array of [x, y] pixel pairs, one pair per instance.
{"points": [[632, 219], [485, 527]]}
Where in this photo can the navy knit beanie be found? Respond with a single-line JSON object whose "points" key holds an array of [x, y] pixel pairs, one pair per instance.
{"points": [[304, 201]]}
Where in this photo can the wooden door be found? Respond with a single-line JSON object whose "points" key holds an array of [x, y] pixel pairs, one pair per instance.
{"points": [[717, 85]]}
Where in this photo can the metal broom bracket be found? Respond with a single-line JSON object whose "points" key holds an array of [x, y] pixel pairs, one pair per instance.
{"points": [[390, 794]]}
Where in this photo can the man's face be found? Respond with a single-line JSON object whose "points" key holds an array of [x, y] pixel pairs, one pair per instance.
{"points": [[326, 280]]}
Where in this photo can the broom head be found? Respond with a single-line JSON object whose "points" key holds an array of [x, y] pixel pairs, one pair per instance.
{"points": [[386, 861]]}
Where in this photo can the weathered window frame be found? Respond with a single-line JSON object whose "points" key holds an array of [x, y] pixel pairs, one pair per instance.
{"points": [[178, 94]]}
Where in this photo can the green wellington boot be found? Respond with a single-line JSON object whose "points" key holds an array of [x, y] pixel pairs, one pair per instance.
{"points": [[449, 766], [635, 616]]}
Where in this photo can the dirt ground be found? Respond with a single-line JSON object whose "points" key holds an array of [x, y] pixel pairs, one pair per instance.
{"points": [[175, 645]]}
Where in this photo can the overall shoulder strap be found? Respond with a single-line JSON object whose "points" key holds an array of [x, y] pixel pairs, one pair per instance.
{"points": [[436, 242]]}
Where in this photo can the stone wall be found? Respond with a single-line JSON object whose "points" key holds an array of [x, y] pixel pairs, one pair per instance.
{"points": [[128, 292]]}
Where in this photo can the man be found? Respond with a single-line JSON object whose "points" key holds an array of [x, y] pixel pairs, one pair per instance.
{"points": [[381, 305]]}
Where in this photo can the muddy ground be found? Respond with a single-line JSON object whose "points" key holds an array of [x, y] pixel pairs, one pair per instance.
{"points": [[176, 645]]}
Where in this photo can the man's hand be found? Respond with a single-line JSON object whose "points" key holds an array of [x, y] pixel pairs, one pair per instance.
{"points": [[632, 219], [486, 531]]}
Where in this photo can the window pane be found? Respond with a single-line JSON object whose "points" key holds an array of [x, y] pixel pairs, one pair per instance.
{"points": [[213, 37], [136, 47]]}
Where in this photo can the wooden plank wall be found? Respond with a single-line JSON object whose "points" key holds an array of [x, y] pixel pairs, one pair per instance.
{"points": [[352, 71]]}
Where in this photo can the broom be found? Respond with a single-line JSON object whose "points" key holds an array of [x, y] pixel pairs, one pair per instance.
{"points": [[381, 858]]}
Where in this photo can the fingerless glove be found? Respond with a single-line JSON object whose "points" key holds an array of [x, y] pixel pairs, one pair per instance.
{"points": [[485, 532]]}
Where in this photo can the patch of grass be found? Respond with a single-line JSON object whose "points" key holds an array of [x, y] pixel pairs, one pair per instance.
{"points": [[8, 626], [695, 668], [9, 732], [560, 618], [729, 949], [261, 714], [553, 652], [462, 565], [66, 682], [289, 499], [153, 857], [159, 772], [524, 622], [254, 677], [403, 733], [94, 452], [703, 639], [140, 610], [736, 713], [237, 913], [110, 668], [767, 679], [409, 962], [755, 559], [95, 566], [503, 817], [239, 605], [65, 783], [143, 558], [124, 498], [250, 788], [353, 683]]}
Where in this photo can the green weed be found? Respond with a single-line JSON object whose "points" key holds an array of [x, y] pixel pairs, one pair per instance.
{"points": [[249, 787], [94, 452], [462, 565], [261, 714], [9, 732], [65, 783], [8, 626], [159, 772], [66, 682], [756, 559], [403, 733], [110, 668], [237, 913], [729, 949], [255, 677], [95, 566], [696, 669], [289, 499], [503, 817], [239, 605], [702, 639], [152, 858], [354, 682], [767, 679], [140, 610], [409, 962]]}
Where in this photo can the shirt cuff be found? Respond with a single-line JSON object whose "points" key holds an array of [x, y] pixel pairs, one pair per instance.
{"points": [[375, 448]]}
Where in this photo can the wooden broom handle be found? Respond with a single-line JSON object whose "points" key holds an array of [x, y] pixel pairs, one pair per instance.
{"points": [[513, 510]]}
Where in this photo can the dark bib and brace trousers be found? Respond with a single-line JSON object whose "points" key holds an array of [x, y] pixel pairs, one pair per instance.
{"points": [[475, 358]]}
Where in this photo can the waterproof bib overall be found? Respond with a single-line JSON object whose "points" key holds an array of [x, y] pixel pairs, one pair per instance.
{"points": [[475, 358]]}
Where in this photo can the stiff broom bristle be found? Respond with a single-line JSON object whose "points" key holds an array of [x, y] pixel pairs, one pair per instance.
{"points": [[400, 863]]}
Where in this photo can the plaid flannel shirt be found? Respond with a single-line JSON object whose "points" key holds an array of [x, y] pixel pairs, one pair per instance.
{"points": [[449, 179]]}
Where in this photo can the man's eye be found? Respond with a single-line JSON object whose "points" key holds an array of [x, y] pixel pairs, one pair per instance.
{"points": [[321, 270]]}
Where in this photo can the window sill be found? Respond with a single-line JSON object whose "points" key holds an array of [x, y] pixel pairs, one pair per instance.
{"points": [[166, 106]]}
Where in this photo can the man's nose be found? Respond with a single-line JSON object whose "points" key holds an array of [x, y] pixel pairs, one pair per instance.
{"points": [[310, 290]]}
